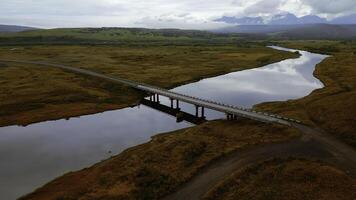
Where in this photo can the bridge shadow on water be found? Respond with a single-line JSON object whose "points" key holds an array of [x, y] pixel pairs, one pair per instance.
{"points": [[178, 113]]}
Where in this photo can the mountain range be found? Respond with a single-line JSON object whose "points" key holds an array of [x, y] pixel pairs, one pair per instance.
{"points": [[295, 31], [289, 26], [287, 19], [281, 26], [13, 28]]}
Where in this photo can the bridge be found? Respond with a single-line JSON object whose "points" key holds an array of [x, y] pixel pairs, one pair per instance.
{"points": [[232, 112], [177, 113]]}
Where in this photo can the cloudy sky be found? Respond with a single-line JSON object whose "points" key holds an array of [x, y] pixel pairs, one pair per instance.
{"points": [[196, 14]]}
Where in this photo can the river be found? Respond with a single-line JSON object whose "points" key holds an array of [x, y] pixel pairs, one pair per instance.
{"points": [[33, 155]]}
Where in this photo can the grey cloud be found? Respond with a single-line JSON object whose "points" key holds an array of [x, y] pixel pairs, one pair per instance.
{"points": [[332, 7], [264, 7], [59, 8], [153, 13]]}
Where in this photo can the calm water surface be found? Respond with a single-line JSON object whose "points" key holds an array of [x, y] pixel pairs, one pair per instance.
{"points": [[33, 155]]}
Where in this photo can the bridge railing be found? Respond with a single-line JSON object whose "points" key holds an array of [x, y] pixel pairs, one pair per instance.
{"points": [[223, 107]]}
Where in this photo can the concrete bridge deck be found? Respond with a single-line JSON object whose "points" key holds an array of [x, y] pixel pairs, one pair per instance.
{"points": [[231, 111]]}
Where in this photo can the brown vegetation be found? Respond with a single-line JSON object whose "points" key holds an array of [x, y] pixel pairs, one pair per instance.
{"points": [[291, 179], [154, 169], [31, 94], [332, 108]]}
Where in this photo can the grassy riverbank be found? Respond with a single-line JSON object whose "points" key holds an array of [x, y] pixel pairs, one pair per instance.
{"points": [[155, 169], [31, 94], [160, 166], [290, 179], [332, 108]]}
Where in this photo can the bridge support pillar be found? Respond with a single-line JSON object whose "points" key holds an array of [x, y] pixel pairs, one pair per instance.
{"points": [[157, 98], [154, 98], [150, 97], [202, 112], [177, 105], [196, 111], [172, 103], [229, 116]]}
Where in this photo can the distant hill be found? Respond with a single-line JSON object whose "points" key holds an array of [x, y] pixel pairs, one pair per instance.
{"points": [[111, 33], [312, 19], [287, 19], [298, 31], [258, 29], [320, 31], [291, 19], [13, 28], [283, 19], [350, 19], [108, 35], [289, 26]]}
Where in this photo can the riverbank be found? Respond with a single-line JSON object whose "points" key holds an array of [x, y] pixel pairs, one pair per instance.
{"points": [[156, 168], [286, 179], [332, 108], [31, 94]]}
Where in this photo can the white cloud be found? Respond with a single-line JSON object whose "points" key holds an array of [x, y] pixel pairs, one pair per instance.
{"points": [[264, 7], [182, 21], [155, 13]]}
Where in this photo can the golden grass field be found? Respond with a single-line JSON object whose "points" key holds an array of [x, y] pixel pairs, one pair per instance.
{"points": [[31, 94], [289, 179], [156, 168], [332, 108]]}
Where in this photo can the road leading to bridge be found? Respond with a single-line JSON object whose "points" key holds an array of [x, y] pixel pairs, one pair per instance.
{"points": [[153, 90]]}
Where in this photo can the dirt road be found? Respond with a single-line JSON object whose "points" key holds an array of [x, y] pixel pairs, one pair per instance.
{"points": [[313, 144]]}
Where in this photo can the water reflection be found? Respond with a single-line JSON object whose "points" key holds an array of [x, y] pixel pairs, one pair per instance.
{"points": [[288, 79], [31, 156]]}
